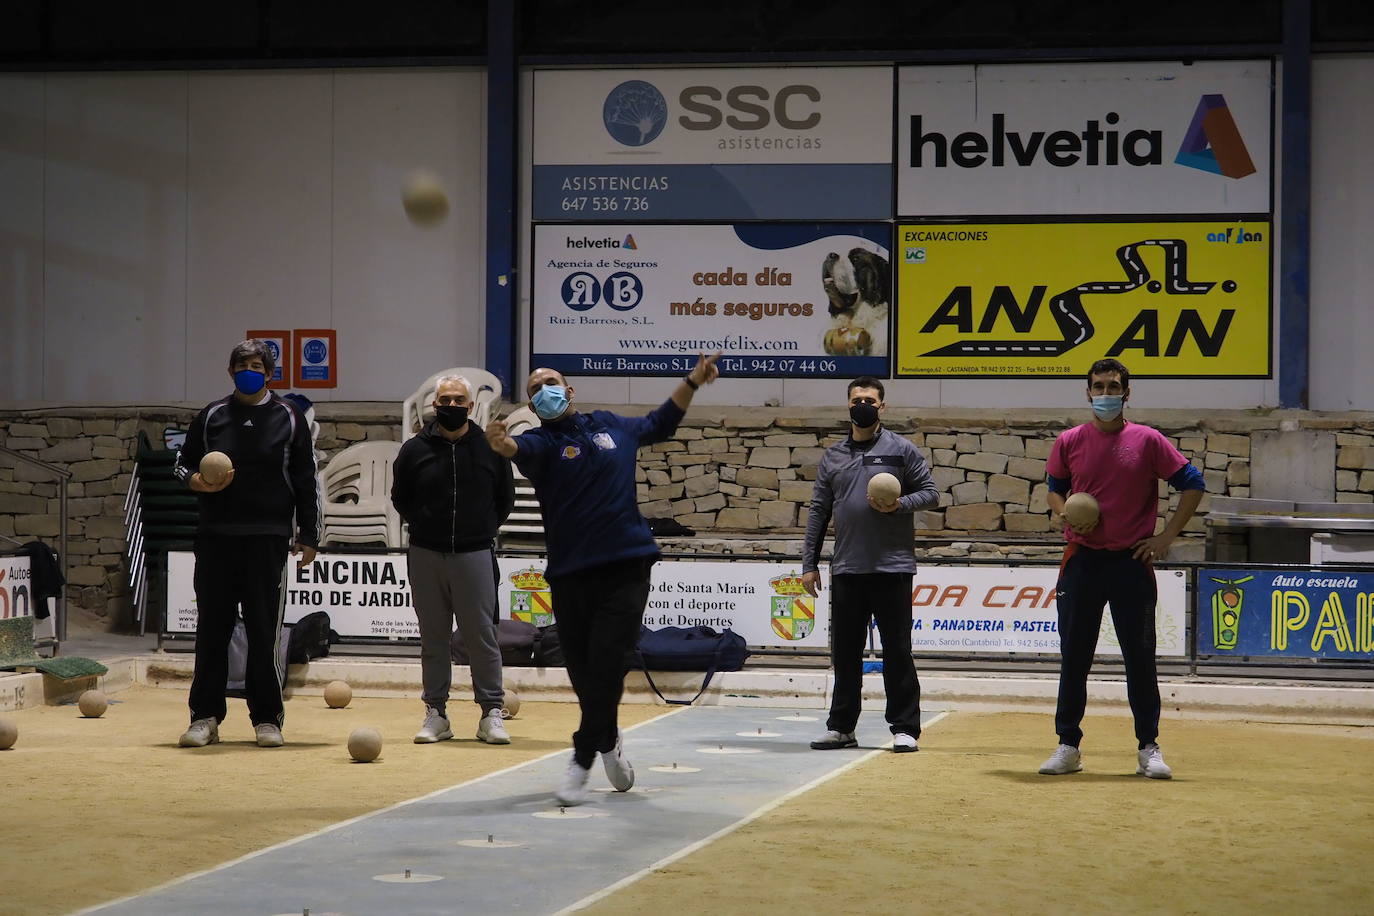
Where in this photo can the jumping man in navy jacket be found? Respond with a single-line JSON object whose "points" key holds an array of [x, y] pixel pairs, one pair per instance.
{"points": [[600, 549]]}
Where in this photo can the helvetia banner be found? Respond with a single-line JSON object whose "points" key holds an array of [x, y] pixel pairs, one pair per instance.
{"points": [[1157, 137]]}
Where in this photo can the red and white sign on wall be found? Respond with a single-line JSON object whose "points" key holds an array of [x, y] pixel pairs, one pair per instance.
{"points": [[316, 358], [279, 342]]}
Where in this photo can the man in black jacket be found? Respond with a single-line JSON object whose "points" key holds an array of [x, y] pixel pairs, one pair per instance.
{"points": [[454, 492], [246, 526]]}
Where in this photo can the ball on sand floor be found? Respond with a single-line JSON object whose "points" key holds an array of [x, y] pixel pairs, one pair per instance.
{"points": [[884, 488], [214, 466], [424, 199], [9, 733], [510, 707], [1080, 509], [337, 694], [93, 704], [364, 744]]}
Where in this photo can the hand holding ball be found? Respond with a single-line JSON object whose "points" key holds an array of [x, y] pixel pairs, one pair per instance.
{"points": [[1081, 511], [884, 489], [364, 744], [93, 704], [214, 467], [424, 199], [337, 694]]}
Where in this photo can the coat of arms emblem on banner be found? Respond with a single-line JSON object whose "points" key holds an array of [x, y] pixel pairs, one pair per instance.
{"points": [[793, 610], [530, 600]]}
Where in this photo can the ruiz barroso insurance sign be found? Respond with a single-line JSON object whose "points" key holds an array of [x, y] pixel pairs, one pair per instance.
{"points": [[717, 144], [781, 300], [1084, 139]]}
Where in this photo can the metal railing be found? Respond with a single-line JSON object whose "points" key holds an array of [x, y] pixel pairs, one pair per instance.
{"points": [[62, 475]]}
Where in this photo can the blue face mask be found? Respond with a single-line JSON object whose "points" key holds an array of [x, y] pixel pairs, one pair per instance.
{"points": [[249, 381], [550, 401], [1107, 407]]}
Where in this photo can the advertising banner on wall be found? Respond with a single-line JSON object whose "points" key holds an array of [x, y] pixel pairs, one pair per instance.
{"points": [[367, 595], [1169, 299], [1084, 138], [1000, 609], [716, 144], [794, 300], [1297, 613]]}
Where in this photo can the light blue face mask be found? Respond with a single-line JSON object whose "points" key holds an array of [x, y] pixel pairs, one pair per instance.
{"points": [[550, 401], [1107, 407], [249, 381]]}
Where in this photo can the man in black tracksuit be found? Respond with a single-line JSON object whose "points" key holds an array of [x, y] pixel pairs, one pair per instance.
{"points": [[247, 524], [455, 493]]}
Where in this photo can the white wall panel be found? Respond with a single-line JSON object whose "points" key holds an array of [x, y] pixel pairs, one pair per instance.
{"points": [[21, 237], [259, 213], [407, 299], [1342, 271], [114, 243]]}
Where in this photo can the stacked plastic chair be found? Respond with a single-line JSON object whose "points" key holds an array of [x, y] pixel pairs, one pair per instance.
{"points": [[356, 486], [526, 522], [160, 514]]}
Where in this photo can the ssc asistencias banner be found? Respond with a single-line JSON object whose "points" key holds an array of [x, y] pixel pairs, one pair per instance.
{"points": [[1169, 299]]}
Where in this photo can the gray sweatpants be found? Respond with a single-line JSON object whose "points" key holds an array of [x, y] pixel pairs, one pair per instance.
{"points": [[445, 586]]}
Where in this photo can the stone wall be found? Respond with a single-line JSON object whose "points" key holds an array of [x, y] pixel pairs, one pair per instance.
{"points": [[740, 478]]}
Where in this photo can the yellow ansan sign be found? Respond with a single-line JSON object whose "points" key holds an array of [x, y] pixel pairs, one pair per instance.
{"points": [[1180, 299]]}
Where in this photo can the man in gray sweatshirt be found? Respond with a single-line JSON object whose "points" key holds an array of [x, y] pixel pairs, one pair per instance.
{"points": [[872, 566]]}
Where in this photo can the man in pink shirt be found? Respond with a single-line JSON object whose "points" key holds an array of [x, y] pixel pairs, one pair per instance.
{"points": [[1111, 560]]}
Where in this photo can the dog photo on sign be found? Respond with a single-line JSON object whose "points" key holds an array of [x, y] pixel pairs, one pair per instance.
{"points": [[857, 287]]}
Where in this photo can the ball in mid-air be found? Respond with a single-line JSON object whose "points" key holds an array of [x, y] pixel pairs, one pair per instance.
{"points": [[424, 199]]}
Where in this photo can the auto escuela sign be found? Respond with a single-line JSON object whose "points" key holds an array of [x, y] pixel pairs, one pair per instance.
{"points": [[1297, 613], [1088, 139], [713, 143]]}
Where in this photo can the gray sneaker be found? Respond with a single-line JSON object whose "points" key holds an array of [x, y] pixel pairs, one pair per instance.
{"points": [[1065, 759], [436, 727], [1151, 763], [268, 735], [492, 729], [201, 733], [833, 741]]}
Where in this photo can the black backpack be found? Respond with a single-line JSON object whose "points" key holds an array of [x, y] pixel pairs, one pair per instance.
{"points": [[310, 638]]}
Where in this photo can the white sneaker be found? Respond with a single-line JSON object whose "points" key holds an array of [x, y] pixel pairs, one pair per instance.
{"points": [[1065, 759], [618, 769], [436, 728], [492, 729], [573, 789], [201, 733], [268, 735], [1152, 763], [902, 743], [833, 740]]}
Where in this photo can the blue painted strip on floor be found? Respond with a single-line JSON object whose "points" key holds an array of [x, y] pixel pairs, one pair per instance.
{"points": [[562, 857]]}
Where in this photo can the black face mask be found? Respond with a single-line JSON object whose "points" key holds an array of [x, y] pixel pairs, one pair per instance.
{"points": [[450, 416], [863, 415]]}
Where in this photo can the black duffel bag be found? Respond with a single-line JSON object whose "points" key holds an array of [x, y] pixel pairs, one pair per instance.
{"points": [[688, 649]]}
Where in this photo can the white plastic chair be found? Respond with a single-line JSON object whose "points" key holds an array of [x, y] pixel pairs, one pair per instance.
{"points": [[526, 521], [357, 495], [417, 410]]}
